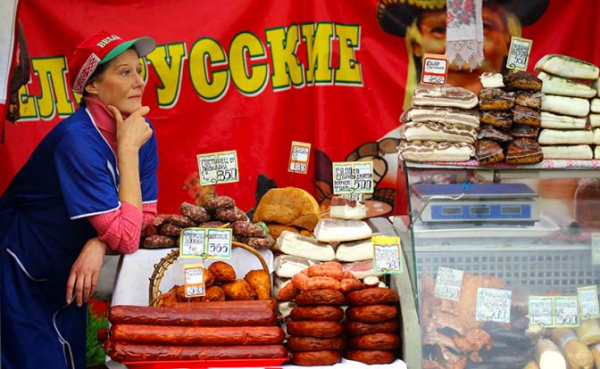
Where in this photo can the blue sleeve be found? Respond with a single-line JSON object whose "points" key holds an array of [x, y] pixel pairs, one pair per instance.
{"points": [[148, 169], [87, 180]]}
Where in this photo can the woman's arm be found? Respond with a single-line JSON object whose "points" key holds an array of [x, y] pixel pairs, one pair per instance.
{"points": [[83, 278]]}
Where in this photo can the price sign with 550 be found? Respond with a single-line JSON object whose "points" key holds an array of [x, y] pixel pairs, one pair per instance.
{"points": [[218, 167], [352, 177]]}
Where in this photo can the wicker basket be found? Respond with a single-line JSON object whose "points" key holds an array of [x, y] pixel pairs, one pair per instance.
{"points": [[154, 291]]}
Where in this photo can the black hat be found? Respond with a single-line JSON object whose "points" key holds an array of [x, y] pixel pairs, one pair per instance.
{"points": [[395, 16]]}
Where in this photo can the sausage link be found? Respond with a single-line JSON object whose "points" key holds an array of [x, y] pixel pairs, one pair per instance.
{"points": [[375, 341], [328, 313], [312, 328], [247, 229], [169, 229], [371, 313], [230, 215], [299, 344], [219, 202], [331, 269], [194, 212], [316, 358], [371, 357], [320, 297], [352, 328], [158, 241], [373, 296]]}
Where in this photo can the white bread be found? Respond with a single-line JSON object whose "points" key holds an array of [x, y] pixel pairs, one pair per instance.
{"points": [[355, 251], [596, 105], [576, 152], [339, 230], [573, 106], [294, 244], [553, 85], [289, 206], [556, 137], [550, 120], [567, 67], [595, 120]]}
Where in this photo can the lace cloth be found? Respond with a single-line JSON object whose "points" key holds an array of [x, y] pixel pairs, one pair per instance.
{"points": [[464, 32]]}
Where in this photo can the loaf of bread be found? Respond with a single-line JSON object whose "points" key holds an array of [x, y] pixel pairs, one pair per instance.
{"points": [[288, 206]]}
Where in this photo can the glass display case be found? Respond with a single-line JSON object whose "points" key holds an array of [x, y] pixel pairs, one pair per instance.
{"points": [[505, 264]]}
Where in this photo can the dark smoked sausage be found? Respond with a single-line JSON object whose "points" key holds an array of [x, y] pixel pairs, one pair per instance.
{"points": [[299, 344], [311, 328], [372, 296], [371, 357], [358, 328], [330, 313], [371, 313], [314, 358], [375, 341], [320, 297]]}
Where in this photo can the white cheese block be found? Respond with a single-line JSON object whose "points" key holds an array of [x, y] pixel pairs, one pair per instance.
{"points": [[550, 120], [553, 85], [349, 210], [573, 106], [287, 265], [596, 105], [595, 120], [565, 66], [355, 251], [575, 152], [597, 136], [597, 153], [491, 80], [596, 85], [294, 244], [340, 230], [556, 137]]}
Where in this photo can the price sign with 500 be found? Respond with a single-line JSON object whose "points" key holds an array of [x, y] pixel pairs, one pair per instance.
{"points": [[353, 177], [218, 167]]}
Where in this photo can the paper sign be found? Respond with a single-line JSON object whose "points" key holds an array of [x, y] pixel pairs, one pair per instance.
{"points": [[219, 244], [448, 283], [566, 311], [493, 305], [352, 177], [218, 167], [353, 196], [518, 54], [299, 157], [435, 69], [387, 255], [596, 248], [192, 243], [541, 312], [193, 275], [588, 302]]}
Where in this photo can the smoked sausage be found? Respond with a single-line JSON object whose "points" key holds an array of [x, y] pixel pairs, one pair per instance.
{"points": [[372, 296], [312, 328], [328, 313], [331, 269], [320, 297], [314, 358], [299, 344], [357, 328], [270, 304], [371, 313], [375, 341], [371, 357]]}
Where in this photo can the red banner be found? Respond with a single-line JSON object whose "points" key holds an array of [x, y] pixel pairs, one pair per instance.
{"points": [[253, 76]]}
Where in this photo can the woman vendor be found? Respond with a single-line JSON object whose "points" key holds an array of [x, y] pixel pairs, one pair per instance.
{"points": [[87, 189]]}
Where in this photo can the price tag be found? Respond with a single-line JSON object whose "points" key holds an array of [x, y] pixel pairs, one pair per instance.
{"points": [[387, 255], [541, 311], [218, 167], [193, 275], [448, 283], [596, 248], [566, 311], [352, 177], [588, 302], [518, 54], [435, 69], [353, 196], [192, 243], [219, 243], [493, 305], [299, 157]]}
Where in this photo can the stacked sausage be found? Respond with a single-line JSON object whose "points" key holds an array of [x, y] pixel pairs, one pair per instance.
{"points": [[372, 325], [165, 229], [229, 330]]}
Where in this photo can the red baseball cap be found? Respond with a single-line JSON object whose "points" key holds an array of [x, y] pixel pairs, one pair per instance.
{"points": [[99, 48]]}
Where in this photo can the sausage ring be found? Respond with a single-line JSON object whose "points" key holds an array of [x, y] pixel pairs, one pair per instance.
{"points": [[371, 357], [358, 328], [372, 313], [314, 358], [311, 328], [373, 296], [320, 297], [329, 313], [298, 344], [375, 341]]}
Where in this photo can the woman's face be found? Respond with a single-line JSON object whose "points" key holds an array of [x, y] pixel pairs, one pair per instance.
{"points": [[121, 85]]}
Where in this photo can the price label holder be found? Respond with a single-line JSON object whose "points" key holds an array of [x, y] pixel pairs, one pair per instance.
{"points": [[541, 310], [435, 69], [218, 168], [299, 157], [192, 243], [493, 305], [588, 302], [218, 243], [518, 54], [566, 311], [193, 275], [352, 177], [448, 283], [596, 248], [387, 255]]}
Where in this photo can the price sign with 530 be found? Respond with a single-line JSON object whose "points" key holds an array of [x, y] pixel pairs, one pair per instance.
{"points": [[299, 156], [219, 167], [193, 275], [352, 177], [219, 243]]}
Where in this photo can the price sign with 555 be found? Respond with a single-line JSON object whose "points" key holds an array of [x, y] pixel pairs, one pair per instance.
{"points": [[218, 167], [205, 243], [219, 243], [352, 177]]}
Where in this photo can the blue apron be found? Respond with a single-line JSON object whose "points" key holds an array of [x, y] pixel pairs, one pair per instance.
{"points": [[71, 175]]}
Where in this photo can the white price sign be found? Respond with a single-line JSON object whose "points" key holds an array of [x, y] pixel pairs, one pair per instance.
{"points": [[387, 255], [352, 177], [566, 311], [435, 69], [541, 311], [493, 305], [192, 243], [193, 275], [219, 243], [448, 283], [219, 167], [299, 157], [596, 248], [588, 302]]}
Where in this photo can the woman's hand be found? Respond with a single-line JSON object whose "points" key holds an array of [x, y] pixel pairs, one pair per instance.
{"points": [[85, 271], [132, 132]]}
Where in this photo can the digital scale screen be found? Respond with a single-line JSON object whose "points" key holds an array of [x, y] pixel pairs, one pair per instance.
{"points": [[480, 210], [477, 211]]}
